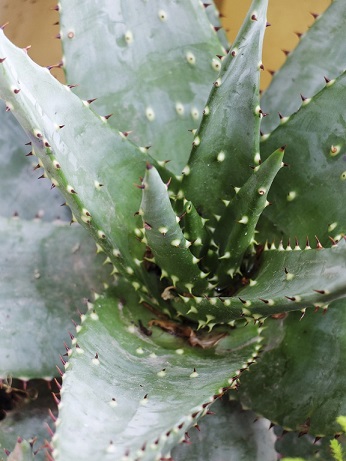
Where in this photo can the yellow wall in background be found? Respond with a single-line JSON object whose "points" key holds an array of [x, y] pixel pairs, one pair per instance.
{"points": [[285, 17], [31, 22]]}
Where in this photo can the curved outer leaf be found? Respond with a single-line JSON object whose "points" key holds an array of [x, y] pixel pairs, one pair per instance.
{"points": [[89, 166], [286, 280], [320, 53], [20, 192], [141, 393], [42, 285], [227, 141], [88, 160], [306, 196], [232, 434], [300, 381], [154, 75]]}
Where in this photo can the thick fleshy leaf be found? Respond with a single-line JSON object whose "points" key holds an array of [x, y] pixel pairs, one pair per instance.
{"points": [[320, 53], [286, 280], [300, 380], [306, 196], [307, 447], [236, 229], [195, 230], [21, 193], [165, 237], [227, 141], [27, 416], [142, 393], [153, 75], [82, 155], [46, 271], [232, 434], [22, 452], [214, 17]]}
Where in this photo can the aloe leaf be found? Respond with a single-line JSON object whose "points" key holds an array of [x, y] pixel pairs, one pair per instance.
{"points": [[195, 230], [286, 280], [231, 434], [307, 364], [141, 392], [29, 419], [291, 445], [315, 162], [227, 141], [213, 13], [20, 192], [165, 237], [22, 452], [43, 284], [315, 57], [159, 103], [89, 166], [235, 231]]}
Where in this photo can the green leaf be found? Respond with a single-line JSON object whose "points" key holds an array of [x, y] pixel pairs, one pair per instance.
{"points": [[286, 280], [235, 231], [20, 192], [195, 230], [29, 418], [90, 166], [46, 270], [214, 18], [22, 452], [342, 421], [142, 393], [165, 237], [320, 53], [227, 141], [291, 445], [153, 75], [336, 450], [231, 434], [315, 154], [300, 380]]}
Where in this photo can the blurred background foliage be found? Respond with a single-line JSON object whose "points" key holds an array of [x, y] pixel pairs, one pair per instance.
{"points": [[31, 23]]}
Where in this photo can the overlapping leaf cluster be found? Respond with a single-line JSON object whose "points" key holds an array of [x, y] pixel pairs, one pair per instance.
{"points": [[202, 246]]}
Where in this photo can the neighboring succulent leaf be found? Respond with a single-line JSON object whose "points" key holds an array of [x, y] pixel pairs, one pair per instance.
{"points": [[227, 141], [154, 75], [307, 367], [214, 18], [20, 192], [232, 434], [141, 393], [315, 153], [30, 417], [195, 230], [82, 155], [291, 445], [22, 452], [319, 54], [286, 280], [236, 229], [46, 270], [165, 237]]}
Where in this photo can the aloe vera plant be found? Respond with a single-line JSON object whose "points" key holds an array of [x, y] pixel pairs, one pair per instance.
{"points": [[220, 265]]}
